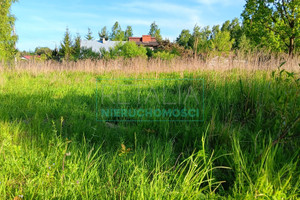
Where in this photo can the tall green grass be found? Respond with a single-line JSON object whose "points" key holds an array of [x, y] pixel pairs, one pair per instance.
{"points": [[52, 147]]}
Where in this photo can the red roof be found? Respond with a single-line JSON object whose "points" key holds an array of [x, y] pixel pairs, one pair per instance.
{"points": [[28, 57]]}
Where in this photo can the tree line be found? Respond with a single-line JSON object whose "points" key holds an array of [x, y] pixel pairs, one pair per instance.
{"points": [[117, 34], [70, 49], [271, 25]]}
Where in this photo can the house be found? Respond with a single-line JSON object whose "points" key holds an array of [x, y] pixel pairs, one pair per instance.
{"points": [[29, 57], [26, 57], [96, 45], [145, 40]]}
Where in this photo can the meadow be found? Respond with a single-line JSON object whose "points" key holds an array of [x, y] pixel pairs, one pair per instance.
{"points": [[246, 147]]}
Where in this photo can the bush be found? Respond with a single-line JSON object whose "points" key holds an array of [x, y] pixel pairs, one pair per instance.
{"points": [[113, 53], [89, 54], [126, 50], [164, 55], [149, 52], [131, 50], [44, 51]]}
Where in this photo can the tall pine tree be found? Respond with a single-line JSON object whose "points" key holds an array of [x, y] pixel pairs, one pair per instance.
{"points": [[89, 35], [103, 33], [77, 47], [66, 49]]}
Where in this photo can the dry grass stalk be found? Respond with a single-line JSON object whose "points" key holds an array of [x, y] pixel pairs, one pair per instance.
{"points": [[140, 65]]}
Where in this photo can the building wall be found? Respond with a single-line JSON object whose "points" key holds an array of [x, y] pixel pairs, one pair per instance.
{"points": [[135, 39], [144, 39]]}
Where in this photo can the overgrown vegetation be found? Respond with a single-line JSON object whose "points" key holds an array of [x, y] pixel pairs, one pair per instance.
{"points": [[246, 148], [127, 50], [273, 24], [269, 26], [7, 37]]}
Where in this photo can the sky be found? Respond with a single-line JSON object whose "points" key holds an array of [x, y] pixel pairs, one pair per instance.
{"points": [[43, 23]]}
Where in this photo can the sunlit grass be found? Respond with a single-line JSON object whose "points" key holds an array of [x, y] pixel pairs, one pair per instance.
{"points": [[52, 147]]}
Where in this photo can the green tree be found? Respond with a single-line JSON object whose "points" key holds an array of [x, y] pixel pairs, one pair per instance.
{"points": [[244, 45], [131, 49], [226, 26], [200, 39], [184, 38], [273, 23], [7, 38], [195, 39], [77, 47], [116, 33], [235, 30], [66, 49], [128, 32], [222, 41], [43, 51], [155, 31], [103, 33], [89, 35], [214, 31], [204, 42], [55, 54]]}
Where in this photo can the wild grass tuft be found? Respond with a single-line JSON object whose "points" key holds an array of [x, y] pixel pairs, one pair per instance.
{"points": [[52, 147]]}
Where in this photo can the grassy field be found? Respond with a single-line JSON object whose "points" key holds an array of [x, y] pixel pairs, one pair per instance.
{"points": [[52, 146]]}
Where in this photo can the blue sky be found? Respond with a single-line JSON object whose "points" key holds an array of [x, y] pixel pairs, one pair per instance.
{"points": [[43, 23]]}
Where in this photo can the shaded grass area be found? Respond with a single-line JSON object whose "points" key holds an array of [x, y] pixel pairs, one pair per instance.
{"points": [[52, 147]]}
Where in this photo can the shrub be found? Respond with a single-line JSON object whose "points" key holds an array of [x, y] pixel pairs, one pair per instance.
{"points": [[149, 52], [44, 51], [131, 50], [126, 50], [164, 55], [89, 54], [113, 53]]}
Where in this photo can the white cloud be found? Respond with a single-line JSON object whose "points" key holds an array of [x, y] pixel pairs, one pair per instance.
{"points": [[166, 15], [222, 2], [49, 20], [164, 7]]}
